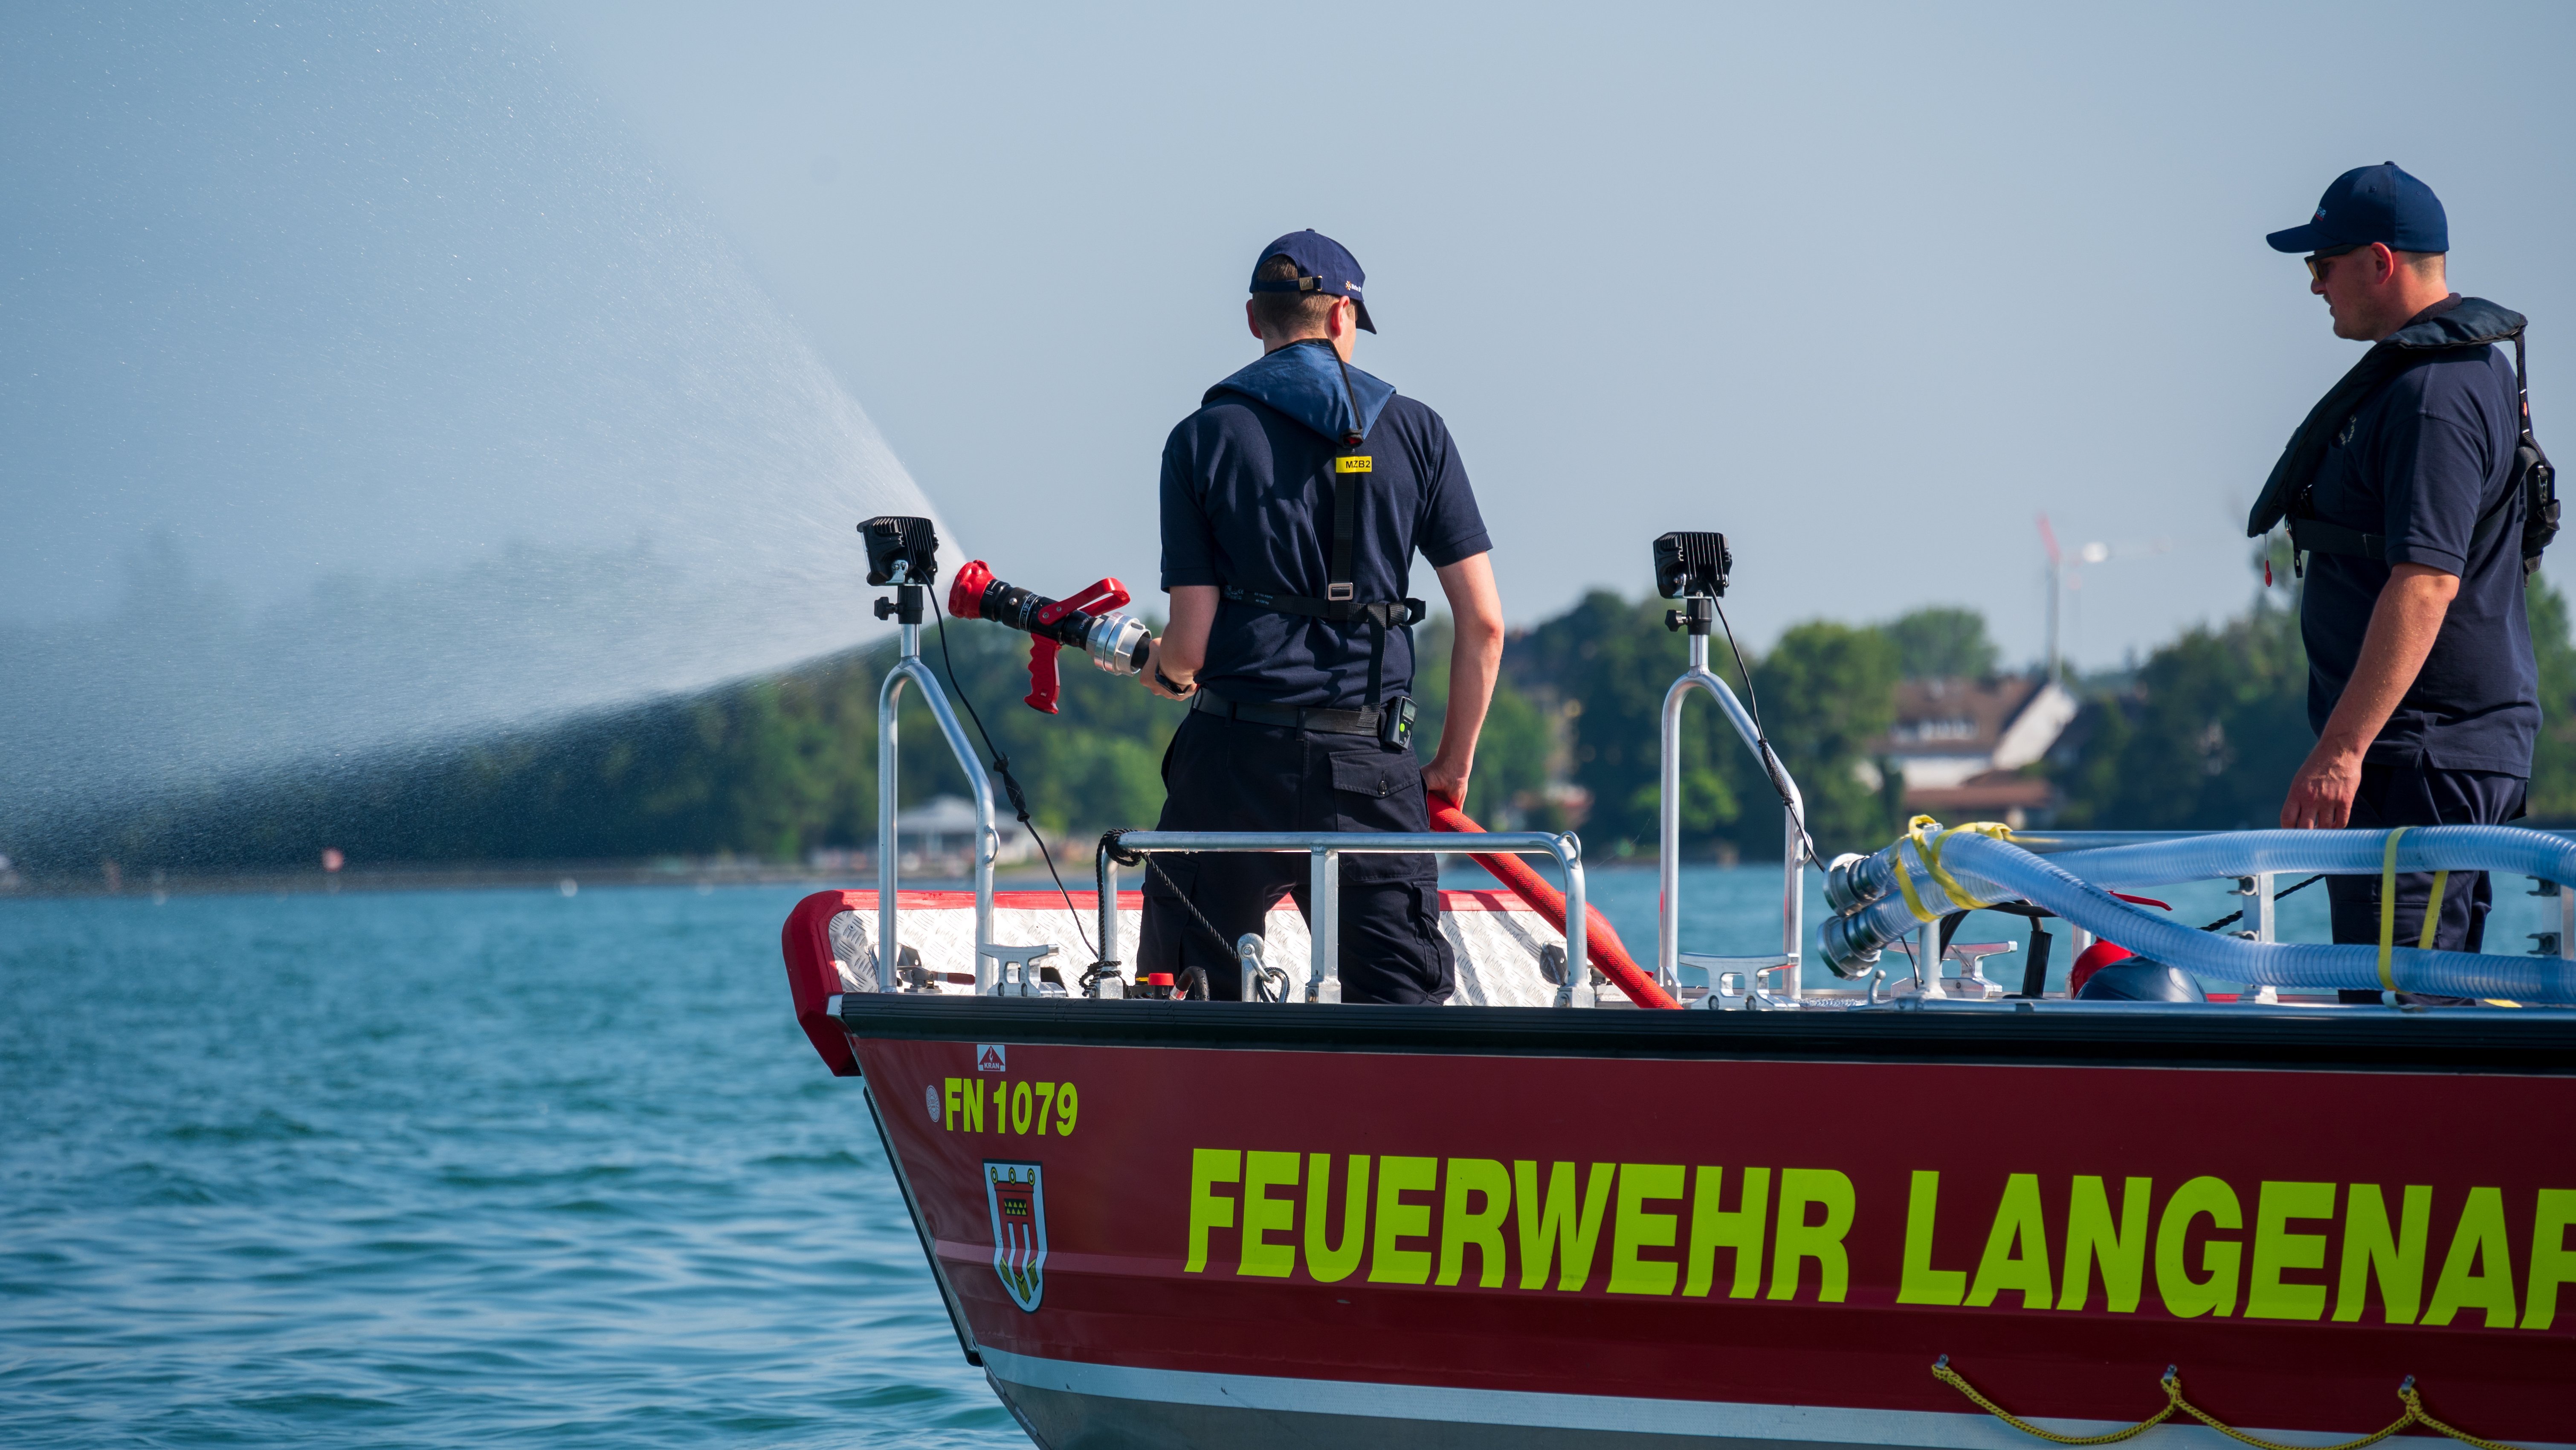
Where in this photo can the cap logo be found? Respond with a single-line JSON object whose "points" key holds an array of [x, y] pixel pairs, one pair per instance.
{"points": [[2320, 216]]}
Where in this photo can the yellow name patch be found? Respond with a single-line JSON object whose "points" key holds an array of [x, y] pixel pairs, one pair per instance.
{"points": [[1358, 464]]}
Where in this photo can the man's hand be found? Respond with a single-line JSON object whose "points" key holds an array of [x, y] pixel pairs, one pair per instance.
{"points": [[2403, 625], [1155, 675], [2321, 793], [1443, 777]]}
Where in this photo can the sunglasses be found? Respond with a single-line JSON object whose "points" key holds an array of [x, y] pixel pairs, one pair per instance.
{"points": [[2319, 263]]}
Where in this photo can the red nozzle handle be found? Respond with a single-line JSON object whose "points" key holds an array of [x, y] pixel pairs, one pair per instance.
{"points": [[1107, 594], [1042, 680], [1044, 685]]}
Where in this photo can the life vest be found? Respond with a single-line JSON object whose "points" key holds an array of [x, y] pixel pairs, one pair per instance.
{"points": [[2465, 323]]}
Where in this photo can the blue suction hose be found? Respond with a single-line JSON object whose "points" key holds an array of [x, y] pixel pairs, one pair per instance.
{"points": [[1876, 913]]}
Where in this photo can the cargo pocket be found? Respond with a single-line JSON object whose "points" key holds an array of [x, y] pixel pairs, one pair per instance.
{"points": [[1380, 790], [1380, 775]]}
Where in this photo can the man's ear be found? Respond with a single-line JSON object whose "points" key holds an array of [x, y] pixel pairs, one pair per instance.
{"points": [[1251, 321]]}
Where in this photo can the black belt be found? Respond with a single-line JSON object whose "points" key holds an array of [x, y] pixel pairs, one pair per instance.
{"points": [[1293, 717]]}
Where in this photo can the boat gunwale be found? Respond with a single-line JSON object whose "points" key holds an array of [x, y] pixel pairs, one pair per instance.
{"points": [[2491, 1042]]}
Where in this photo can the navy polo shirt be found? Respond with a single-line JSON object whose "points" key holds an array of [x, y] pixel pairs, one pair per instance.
{"points": [[1247, 500], [2422, 462]]}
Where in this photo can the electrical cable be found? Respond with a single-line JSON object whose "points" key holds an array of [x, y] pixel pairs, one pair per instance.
{"points": [[1753, 700], [2276, 896], [1010, 783], [1124, 857]]}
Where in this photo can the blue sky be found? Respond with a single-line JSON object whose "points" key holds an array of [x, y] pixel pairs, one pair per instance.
{"points": [[1865, 287]]}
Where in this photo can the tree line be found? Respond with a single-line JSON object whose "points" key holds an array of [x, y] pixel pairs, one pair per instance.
{"points": [[2204, 733]]}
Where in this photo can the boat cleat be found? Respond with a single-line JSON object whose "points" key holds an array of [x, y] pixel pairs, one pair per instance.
{"points": [[1017, 973], [1732, 984], [1972, 981]]}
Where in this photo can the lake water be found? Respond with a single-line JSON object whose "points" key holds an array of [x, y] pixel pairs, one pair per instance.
{"points": [[446, 1168], [489, 1167]]}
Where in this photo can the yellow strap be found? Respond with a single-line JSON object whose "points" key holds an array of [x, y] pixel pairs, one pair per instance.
{"points": [[2413, 1414], [1914, 831], [1905, 888], [2433, 909], [2388, 905], [1932, 859]]}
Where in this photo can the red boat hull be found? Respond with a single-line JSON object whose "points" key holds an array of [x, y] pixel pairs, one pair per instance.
{"points": [[1546, 1249]]}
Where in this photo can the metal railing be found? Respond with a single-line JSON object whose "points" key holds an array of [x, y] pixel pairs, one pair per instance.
{"points": [[989, 955], [1793, 847], [1326, 848]]}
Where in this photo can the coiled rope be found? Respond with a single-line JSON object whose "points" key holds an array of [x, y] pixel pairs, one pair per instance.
{"points": [[2414, 1414]]}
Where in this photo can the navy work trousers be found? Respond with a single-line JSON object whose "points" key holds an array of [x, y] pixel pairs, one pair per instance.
{"points": [[2414, 794], [1233, 775]]}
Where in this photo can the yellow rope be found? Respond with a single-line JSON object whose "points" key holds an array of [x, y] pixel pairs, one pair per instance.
{"points": [[2415, 1408], [1951, 1377], [2414, 1414]]}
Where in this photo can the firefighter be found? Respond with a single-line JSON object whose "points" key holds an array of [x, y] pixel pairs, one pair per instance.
{"points": [[1293, 503], [2403, 493]]}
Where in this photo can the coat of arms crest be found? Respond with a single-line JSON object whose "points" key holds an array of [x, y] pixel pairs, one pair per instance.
{"points": [[1018, 1200]]}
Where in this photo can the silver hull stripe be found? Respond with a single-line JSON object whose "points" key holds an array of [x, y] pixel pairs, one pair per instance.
{"points": [[1714, 1421]]}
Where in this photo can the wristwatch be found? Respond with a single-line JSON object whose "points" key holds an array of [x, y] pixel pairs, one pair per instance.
{"points": [[1168, 683]]}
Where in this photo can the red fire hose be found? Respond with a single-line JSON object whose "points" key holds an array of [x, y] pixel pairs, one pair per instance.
{"points": [[1599, 941]]}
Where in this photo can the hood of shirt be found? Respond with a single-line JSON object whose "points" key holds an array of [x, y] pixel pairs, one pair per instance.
{"points": [[1304, 381]]}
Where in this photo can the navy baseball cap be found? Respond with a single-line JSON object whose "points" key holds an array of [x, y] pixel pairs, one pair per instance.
{"points": [[2372, 204], [1323, 265]]}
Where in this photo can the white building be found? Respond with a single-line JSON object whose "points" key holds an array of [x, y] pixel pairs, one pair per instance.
{"points": [[944, 825], [1961, 745]]}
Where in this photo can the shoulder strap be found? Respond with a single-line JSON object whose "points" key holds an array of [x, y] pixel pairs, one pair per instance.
{"points": [[2521, 382], [1350, 469], [2535, 479]]}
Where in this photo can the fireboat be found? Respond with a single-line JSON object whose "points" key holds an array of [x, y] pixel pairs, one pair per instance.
{"points": [[1699, 1202]]}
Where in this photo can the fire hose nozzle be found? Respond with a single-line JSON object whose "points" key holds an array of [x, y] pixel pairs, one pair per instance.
{"points": [[1091, 620]]}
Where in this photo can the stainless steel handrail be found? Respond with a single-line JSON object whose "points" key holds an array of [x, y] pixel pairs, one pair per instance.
{"points": [[1793, 849], [988, 837], [1326, 848]]}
